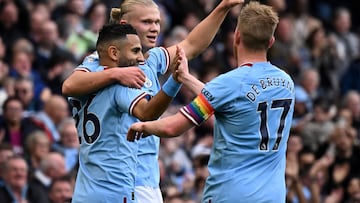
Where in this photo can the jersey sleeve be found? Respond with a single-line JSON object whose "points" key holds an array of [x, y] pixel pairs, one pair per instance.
{"points": [[198, 111], [211, 99], [90, 63], [127, 98], [219, 91], [158, 60]]}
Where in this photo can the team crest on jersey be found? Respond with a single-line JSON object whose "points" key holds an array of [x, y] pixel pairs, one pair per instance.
{"points": [[208, 95], [147, 83]]}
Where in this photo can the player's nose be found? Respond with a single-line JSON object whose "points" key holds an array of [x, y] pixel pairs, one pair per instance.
{"points": [[140, 58]]}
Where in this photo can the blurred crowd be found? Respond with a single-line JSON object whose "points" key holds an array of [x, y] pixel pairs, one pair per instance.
{"points": [[317, 43]]}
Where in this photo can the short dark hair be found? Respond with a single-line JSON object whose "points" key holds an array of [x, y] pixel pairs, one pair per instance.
{"points": [[10, 99], [110, 32], [65, 178]]}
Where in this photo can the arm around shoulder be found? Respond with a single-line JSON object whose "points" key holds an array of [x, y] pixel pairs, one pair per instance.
{"points": [[81, 83]]}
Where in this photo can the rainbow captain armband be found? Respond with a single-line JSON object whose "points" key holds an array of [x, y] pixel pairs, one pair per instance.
{"points": [[171, 87], [198, 111]]}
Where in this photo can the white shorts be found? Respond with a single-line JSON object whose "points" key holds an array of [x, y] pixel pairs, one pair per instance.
{"points": [[145, 194]]}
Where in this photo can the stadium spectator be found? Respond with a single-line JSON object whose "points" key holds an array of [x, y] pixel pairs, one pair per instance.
{"points": [[352, 101], [346, 42], [52, 166], [6, 151], [345, 165], [14, 23], [17, 128], [61, 190], [69, 143], [37, 147], [282, 53], [49, 44], [16, 187], [317, 131], [37, 19], [55, 110], [323, 60], [303, 21], [21, 67], [24, 90]]}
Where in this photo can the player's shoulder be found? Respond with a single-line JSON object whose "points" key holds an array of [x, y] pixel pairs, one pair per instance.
{"points": [[92, 57], [156, 51], [90, 63]]}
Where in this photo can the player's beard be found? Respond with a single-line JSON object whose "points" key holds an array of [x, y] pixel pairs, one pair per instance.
{"points": [[128, 63]]}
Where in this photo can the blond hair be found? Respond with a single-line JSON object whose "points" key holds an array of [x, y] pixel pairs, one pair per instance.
{"points": [[34, 138], [257, 24], [127, 6]]}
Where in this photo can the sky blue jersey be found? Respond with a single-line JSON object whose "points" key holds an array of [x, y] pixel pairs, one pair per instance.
{"points": [[155, 65], [253, 107], [107, 161]]}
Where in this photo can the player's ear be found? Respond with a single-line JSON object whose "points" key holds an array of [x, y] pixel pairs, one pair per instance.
{"points": [[237, 37], [271, 42], [113, 53]]}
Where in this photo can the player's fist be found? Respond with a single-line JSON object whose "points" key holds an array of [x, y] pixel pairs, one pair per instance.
{"points": [[228, 4], [135, 132]]}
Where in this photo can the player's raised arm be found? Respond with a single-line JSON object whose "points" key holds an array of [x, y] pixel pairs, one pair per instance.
{"points": [[152, 109], [82, 83], [203, 34], [182, 73]]}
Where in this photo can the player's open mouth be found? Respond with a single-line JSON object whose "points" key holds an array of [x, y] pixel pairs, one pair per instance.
{"points": [[152, 39]]}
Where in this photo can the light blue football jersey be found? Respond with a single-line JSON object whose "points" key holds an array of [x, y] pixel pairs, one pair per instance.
{"points": [[253, 109], [155, 65], [107, 160]]}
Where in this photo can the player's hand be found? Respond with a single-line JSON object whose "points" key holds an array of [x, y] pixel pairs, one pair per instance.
{"points": [[181, 69], [176, 63], [228, 4], [128, 76], [136, 131]]}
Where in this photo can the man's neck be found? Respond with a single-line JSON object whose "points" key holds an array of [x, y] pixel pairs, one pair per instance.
{"points": [[251, 57], [246, 56], [107, 63]]}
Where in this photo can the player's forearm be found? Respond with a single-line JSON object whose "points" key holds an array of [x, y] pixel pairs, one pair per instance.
{"points": [[203, 34], [154, 108], [168, 127], [82, 83], [192, 83]]}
